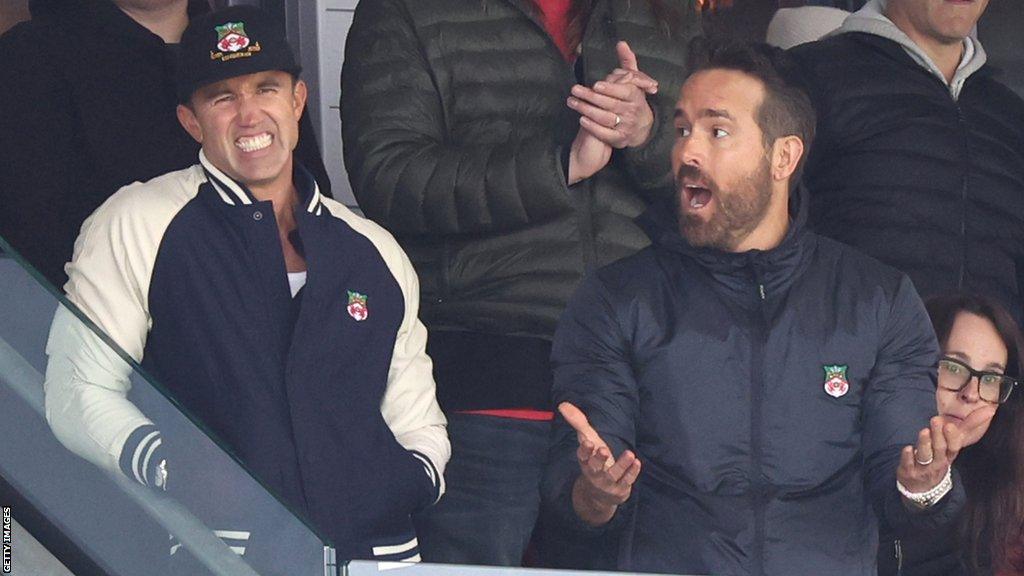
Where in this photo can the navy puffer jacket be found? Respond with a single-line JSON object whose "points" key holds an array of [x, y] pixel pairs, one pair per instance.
{"points": [[767, 395]]}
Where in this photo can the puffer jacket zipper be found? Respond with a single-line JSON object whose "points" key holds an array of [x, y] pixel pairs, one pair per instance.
{"points": [[759, 490], [966, 163]]}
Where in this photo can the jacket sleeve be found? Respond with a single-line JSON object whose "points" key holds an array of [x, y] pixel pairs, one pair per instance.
{"points": [[898, 403], [410, 406], [405, 170], [650, 165], [87, 378], [590, 358]]}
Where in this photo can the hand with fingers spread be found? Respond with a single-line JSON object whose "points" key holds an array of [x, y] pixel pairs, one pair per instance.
{"points": [[604, 483], [615, 110]]}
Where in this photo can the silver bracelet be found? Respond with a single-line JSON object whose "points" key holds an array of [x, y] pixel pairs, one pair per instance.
{"points": [[930, 497]]}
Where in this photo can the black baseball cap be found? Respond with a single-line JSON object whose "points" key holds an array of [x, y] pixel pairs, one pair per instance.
{"points": [[231, 42]]}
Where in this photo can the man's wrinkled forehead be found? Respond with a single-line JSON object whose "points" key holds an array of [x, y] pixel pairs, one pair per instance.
{"points": [[719, 93]]}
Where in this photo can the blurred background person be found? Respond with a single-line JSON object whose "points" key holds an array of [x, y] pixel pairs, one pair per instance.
{"points": [[920, 153], [977, 379], [508, 146]]}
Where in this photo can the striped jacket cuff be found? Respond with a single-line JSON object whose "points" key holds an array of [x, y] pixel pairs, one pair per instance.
{"points": [[436, 478], [403, 552], [143, 457]]}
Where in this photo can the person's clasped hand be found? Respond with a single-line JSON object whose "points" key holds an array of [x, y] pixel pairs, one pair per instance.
{"points": [[615, 110]]}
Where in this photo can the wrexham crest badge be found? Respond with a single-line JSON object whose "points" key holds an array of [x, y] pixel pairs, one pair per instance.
{"points": [[357, 306], [231, 37], [836, 384]]}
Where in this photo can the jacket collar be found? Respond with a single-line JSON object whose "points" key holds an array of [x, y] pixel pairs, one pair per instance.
{"points": [[871, 20], [774, 269], [895, 51], [235, 193]]}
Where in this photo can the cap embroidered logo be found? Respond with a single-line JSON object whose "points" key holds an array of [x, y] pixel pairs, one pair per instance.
{"points": [[231, 37]]}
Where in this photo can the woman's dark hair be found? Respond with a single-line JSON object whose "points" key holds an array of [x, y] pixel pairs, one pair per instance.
{"points": [[668, 13], [992, 529]]}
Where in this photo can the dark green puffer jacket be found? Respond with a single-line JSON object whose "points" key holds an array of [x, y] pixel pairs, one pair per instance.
{"points": [[456, 129]]}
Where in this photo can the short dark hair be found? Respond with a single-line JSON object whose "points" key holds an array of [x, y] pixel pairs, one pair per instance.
{"points": [[786, 109]]}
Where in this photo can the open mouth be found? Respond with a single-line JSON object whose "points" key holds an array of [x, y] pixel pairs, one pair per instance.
{"points": [[696, 196], [254, 143]]}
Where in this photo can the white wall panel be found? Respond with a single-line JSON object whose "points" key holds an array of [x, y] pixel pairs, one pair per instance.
{"points": [[322, 26], [334, 24]]}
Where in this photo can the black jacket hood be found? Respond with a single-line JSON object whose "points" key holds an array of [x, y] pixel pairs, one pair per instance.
{"points": [[661, 224], [749, 276]]}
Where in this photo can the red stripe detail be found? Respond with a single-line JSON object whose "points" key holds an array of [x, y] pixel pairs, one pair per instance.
{"points": [[515, 414]]}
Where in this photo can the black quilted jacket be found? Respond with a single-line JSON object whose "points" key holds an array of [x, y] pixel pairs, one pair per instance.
{"points": [[455, 127], [901, 171]]}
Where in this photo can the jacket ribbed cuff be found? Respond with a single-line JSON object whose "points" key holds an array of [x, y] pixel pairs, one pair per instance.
{"points": [[436, 478], [143, 457]]}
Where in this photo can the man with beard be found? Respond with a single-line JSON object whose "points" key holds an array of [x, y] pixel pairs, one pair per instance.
{"points": [[742, 397]]}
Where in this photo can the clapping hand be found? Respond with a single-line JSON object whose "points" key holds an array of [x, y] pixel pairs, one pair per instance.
{"points": [[615, 110]]}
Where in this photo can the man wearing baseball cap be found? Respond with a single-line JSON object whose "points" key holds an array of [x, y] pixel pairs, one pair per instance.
{"points": [[277, 317]]}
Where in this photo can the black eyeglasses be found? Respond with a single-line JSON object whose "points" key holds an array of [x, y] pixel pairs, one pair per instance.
{"points": [[993, 387]]}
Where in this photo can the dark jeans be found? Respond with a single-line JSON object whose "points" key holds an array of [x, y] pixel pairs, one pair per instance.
{"points": [[493, 492], [492, 502]]}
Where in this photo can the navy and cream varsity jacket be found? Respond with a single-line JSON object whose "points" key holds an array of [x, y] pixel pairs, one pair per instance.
{"points": [[328, 399]]}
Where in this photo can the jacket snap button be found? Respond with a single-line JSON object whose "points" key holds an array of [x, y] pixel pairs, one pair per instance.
{"points": [[257, 216]]}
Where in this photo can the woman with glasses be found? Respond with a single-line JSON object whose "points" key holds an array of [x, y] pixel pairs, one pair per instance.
{"points": [[977, 389]]}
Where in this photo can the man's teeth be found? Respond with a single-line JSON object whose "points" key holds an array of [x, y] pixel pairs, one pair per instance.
{"points": [[254, 143], [699, 196]]}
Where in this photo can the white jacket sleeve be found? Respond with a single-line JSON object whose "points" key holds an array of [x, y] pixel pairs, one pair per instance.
{"points": [[86, 387], [410, 405], [87, 381]]}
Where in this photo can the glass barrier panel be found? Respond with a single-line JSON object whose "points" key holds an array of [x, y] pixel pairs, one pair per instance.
{"points": [[369, 568], [212, 517]]}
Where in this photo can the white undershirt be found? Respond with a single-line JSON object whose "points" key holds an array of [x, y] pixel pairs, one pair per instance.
{"points": [[296, 280]]}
